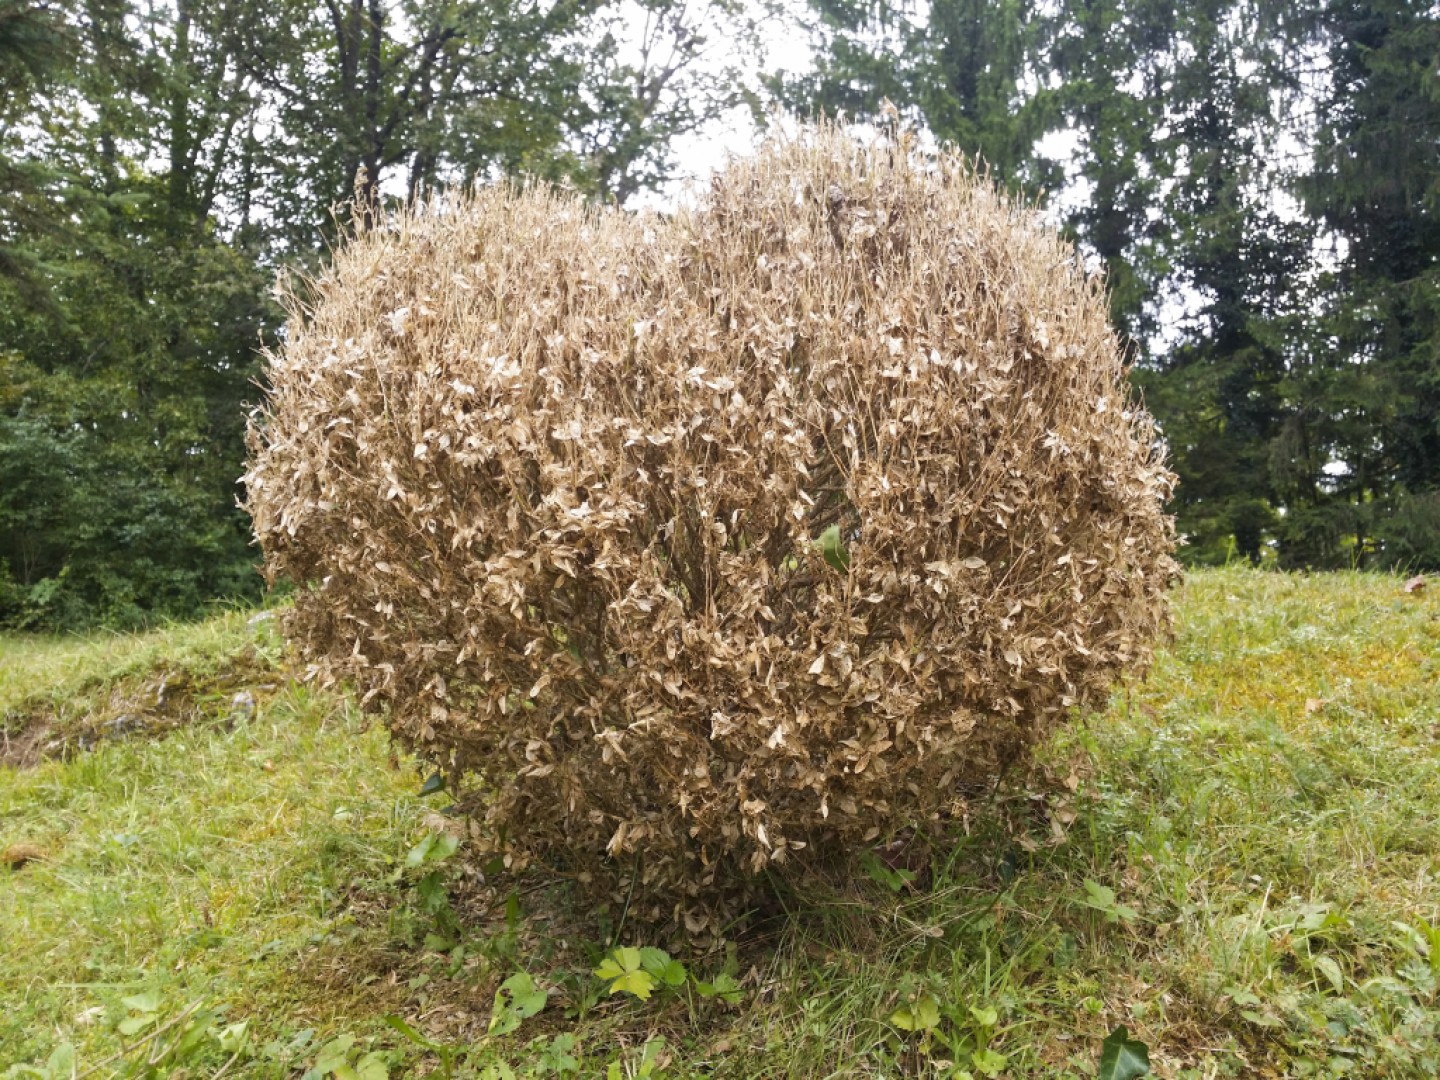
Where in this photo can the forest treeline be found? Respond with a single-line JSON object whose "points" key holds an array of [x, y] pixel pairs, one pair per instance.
{"points": [[1258, 179]]}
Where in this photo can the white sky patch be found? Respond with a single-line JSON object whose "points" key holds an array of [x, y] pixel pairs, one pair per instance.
{"points": [[1064, 147], [785, 49]]}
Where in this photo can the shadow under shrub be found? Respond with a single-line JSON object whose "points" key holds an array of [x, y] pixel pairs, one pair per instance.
{"points": [[720, 542]]}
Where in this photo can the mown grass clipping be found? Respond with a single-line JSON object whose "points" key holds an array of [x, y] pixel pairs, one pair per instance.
{"points": [[693, 546]]}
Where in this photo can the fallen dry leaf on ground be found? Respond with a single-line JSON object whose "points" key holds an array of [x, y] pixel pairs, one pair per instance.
{"points": [[17, 855]]}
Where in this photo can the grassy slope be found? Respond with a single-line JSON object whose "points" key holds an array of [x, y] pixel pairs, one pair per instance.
{"points": [[64, 672], [1265, 808]]}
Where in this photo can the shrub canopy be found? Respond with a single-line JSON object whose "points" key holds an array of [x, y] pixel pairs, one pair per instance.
{"points": [[707, 543]]}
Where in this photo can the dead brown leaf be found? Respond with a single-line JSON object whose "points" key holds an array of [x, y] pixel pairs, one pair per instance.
{"points": [[17, 855]]}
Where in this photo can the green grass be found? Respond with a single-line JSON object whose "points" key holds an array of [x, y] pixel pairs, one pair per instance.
{"points": [[56, 668], [1258, 825]]}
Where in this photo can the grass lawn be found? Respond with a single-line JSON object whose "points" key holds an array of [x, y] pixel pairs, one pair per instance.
{"points": [[210, 869]]}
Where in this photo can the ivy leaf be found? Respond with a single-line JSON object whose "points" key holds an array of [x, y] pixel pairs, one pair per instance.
{"points": [[1123, 1058], [432, 785]]}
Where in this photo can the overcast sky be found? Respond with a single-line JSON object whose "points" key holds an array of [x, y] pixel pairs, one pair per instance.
{"points": [[787, 48]]}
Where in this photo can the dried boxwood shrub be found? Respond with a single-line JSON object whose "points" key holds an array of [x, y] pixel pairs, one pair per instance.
{"points": [[706, 543]]}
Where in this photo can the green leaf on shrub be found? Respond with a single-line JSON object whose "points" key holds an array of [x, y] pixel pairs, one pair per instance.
{"points": [[432, 785], [619, 962], [625, 969], [832, 549], [639, 983], [1123, 1058]]}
